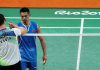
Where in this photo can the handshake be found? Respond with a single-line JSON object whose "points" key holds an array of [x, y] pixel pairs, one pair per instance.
{"points": [[12, 25]]}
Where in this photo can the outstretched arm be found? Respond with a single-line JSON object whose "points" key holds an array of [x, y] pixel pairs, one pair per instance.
{"points": [[22, 29]]}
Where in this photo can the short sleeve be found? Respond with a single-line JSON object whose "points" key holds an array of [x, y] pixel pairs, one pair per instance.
{"points": [[16, 31]]}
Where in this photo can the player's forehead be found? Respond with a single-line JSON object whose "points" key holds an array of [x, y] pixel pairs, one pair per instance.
{"points": [[24, 13]]}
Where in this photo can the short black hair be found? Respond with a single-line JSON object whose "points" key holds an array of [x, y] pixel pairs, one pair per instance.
{"points": [[25, 9], [2, 19]]}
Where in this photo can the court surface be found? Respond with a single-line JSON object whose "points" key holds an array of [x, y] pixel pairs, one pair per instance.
{"points": [[74, 43]]}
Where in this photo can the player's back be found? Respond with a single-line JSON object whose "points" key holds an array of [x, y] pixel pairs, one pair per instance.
{"points": [[9, 52]]}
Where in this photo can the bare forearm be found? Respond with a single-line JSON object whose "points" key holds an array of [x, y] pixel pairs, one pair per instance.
{"points": [[43, 44], [23, 30], [43, 47]]}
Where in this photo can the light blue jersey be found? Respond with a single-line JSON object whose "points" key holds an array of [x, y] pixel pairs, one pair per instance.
{"points": [[27, 44]]}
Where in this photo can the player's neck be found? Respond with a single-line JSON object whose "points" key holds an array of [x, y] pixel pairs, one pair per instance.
{"points": [[27, 23], [2, 27]]}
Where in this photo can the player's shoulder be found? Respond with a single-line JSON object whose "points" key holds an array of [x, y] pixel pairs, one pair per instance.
{"points": [[33, 22], [7, 32]]}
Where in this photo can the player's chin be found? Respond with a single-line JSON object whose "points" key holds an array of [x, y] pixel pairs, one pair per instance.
{"points": [[25, 21]]}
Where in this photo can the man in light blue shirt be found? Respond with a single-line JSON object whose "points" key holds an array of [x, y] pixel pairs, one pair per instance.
{"points": [[27, 44]]}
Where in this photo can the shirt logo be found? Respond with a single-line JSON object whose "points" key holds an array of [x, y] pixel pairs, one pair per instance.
{"points": [[33, 30]]}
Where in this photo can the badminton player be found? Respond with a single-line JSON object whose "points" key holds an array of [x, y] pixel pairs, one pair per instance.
{"points": [[9, 50]]}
